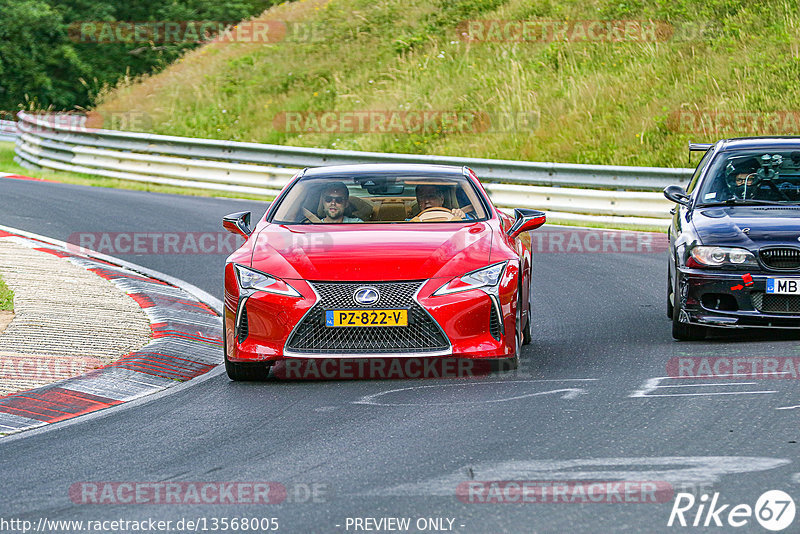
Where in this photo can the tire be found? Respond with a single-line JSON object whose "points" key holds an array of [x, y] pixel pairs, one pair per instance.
{"points": [[670, 310], [684, 331], [512, 364], [244, 372], [527, 332]]}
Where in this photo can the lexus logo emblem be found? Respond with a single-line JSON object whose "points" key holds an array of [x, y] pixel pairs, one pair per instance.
{"points": [[366, 296]]}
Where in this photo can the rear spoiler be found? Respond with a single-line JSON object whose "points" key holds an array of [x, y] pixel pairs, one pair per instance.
{"points": [[698, 147]]}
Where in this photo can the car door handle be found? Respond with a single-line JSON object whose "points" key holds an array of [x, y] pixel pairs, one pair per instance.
{"points": [[672, 211]]}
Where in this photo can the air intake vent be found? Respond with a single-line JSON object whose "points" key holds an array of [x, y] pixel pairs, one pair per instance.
{"points": [[783, 258], [244, 328], [494, 322], [770, 303]]}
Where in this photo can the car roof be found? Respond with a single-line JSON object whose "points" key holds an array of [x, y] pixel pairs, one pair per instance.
{"points": [[371, 169], [772, 143]]}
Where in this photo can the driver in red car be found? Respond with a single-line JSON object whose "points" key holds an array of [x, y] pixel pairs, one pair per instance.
{"points": [[432, 196]]}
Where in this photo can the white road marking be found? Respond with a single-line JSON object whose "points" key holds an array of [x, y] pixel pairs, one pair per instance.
{"points": [[788, 407], [569, 393], [700, 385], [653, 384]]}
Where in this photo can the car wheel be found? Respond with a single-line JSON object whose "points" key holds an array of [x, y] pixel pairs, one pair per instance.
{"points": [[513, 362], [527, 332], [244, 372], [670, 310], [684, 331]]}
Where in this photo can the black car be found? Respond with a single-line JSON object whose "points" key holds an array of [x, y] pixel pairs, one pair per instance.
{"points": [[734, 255]]}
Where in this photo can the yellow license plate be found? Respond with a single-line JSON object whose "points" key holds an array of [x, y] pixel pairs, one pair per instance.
{"points": [[366, 318]]}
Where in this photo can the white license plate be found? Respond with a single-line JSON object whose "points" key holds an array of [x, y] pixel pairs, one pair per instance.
{"points": [[783, 286]]}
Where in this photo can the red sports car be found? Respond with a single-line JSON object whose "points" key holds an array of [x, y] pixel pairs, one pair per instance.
{"points": [[378, 261]]}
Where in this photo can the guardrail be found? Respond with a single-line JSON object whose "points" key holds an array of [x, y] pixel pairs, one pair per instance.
{"points": [[8, 131], [66, 144]]}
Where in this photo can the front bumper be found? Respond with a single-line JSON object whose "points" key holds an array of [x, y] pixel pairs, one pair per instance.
{"points": [[464, 320], [722, 299]]}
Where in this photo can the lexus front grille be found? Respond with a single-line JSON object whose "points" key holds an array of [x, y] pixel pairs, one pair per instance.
{"points": [[422, 334]]}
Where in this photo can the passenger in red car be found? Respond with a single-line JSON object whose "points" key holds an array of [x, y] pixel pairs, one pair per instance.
{"points": [[335, 203]]}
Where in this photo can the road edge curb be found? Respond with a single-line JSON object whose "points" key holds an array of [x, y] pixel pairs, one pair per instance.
{"points": [[183, 318]]}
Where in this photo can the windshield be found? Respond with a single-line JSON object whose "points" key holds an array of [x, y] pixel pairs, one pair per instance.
{"points": [[753, 176], [380, 199]]}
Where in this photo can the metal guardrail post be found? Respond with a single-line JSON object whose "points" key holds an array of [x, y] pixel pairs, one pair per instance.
{"points": [[8, 131]]}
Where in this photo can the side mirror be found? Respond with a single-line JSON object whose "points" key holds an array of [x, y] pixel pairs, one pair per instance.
{"points": [[238, 223], [676, 194], [525, 220]]}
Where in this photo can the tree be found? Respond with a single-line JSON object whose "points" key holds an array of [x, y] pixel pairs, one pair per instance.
{"points": [[44, 58]]}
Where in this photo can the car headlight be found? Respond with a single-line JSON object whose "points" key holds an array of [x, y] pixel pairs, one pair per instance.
{"points": [[258, 281], [723, 256], [485, 277]]}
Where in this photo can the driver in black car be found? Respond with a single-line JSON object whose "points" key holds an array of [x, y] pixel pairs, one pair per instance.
{"points": [[739, 180], [742, 178], [758, 179]]}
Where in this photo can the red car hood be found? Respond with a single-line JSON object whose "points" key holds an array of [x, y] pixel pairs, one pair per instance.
{"points": [[368, 252]]}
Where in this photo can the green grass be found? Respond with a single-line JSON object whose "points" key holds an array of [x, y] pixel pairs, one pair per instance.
{"points": [[601, 103], [6, 297], [8, 165]]}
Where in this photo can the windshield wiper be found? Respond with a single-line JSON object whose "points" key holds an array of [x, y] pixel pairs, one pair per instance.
{"points": [[752, 202], [747, 202]]}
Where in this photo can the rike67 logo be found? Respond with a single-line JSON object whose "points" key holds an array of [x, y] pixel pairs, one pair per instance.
{"points": [[774, 510]]}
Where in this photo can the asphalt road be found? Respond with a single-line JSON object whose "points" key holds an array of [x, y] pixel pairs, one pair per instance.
{"points": [[587, 405]]}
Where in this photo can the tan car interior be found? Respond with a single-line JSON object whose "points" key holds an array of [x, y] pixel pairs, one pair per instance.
{"points": [[378, 209]]}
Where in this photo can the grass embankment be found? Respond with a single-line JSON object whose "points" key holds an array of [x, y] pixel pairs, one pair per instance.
{"points": [[8, 165], [599, 102], [6, 297]]}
